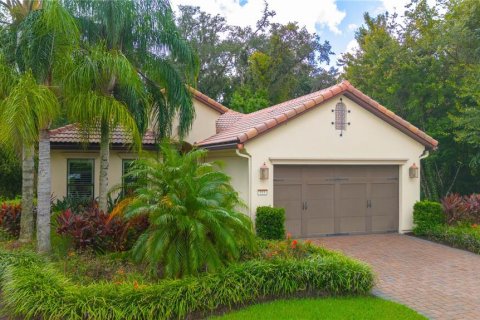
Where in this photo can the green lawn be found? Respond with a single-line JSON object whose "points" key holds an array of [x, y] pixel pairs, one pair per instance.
{"points": [[328, 308]]}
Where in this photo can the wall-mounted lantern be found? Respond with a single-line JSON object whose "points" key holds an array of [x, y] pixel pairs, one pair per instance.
{"points": [[264, 172], [413, 171]]}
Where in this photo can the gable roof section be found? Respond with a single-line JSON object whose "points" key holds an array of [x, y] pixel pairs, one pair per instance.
{"points": [[234, 127], [71, 134], [215, 105]]}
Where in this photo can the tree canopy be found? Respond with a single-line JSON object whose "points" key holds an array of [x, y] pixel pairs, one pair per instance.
{"points": [[426, 69]]}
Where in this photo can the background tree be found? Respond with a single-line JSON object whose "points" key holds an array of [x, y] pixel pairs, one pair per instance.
{"points": [[251, 68], [424, 69]]}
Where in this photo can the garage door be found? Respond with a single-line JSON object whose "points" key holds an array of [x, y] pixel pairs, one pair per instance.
{"points": [[323, 200]]}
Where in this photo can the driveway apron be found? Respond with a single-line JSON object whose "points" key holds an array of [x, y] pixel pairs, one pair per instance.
{"points": [[438, 281]]}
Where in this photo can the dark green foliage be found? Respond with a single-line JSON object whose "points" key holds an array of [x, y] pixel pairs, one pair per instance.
{"points": [[33, 289], [425, 68], [462, 235], [10, 173], [270, 223], [195, 224], [73, 203], [426, 216], [250, 68]]}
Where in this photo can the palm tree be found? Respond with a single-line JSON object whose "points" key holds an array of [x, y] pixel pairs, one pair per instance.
{"points": [[145, 33], [192, 209], [16, 12], [104, 91], [46, 38]]}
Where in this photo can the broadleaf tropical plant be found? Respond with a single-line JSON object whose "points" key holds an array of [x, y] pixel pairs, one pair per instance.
{"points": [[195, 222]]}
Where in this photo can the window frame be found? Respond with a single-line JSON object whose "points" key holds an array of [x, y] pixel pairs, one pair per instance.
{"points": [[92, 161]]}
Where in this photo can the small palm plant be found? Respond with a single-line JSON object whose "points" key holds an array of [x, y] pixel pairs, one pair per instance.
{"points": [[195, 224]]}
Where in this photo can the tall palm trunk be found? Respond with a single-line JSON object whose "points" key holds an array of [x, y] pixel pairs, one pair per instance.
{"points": [[104, 162], [26, 219], [43, 193]]}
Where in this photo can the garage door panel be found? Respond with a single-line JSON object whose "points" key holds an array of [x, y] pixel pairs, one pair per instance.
{"points": [[352, 200], [289, 197], [319, 226], [333, 199], [383, 223], [288, 173], [352, 224], [384, 190]]}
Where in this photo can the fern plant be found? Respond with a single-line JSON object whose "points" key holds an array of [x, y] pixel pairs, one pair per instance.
{"points": [[195, 222]]}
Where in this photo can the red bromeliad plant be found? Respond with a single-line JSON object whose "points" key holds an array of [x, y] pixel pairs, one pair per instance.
{"points": [[10, 218], [453, 207], [93, 229]]}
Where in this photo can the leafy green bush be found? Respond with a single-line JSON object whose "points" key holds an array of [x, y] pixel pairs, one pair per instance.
{"points": [[426, 216], [195, 225], [270, 223], [36, 289], [463, 236]]}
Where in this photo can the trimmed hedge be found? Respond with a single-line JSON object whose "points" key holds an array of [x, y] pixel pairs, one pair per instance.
{"points": [[462, 236], [426, 216], [33, 288], [270, 223]]}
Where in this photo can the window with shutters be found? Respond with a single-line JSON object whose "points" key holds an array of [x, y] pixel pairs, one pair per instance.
{"points": [[128, 182], [80, 178]]}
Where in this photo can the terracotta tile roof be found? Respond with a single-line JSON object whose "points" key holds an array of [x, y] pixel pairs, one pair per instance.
{"points": [[209, 101], [233, 127], [71, 134]]}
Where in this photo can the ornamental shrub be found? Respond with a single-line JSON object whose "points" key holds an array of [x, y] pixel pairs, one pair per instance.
{"points": [[38, 290], [270, 223], [195, 222], [426, 216], [10, 218], [93, 229]]}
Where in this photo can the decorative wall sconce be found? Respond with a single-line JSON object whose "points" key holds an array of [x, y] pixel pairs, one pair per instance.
{"points": [[413, 171], [340, 117], [264, 172]]}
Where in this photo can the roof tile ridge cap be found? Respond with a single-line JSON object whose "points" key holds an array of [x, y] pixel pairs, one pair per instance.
{"points": [[63, 128], [207, 99]]}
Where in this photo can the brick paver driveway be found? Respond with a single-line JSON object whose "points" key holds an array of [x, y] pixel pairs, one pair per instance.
{"points": [[437, 281]]}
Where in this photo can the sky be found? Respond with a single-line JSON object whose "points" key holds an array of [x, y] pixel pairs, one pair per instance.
{"points": [[334, 20]]}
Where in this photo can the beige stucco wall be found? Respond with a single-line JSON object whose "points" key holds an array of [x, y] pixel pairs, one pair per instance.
{"points": [[203, 127], [312, 139], [203, 124], [237, 168], [59, 160]]}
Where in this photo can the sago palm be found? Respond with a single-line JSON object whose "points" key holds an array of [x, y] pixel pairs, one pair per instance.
{"points": [[104, 91], [195, 224]]}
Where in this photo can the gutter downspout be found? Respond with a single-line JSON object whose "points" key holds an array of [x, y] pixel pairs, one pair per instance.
{"points": [[425, 154], [249, 158]]}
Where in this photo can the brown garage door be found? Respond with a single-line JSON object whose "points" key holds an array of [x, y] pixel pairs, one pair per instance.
{"points": [[337, 199]]}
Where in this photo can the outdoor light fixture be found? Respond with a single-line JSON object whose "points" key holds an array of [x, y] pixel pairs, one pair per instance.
{"points": [[264, 172], [413, 171]]}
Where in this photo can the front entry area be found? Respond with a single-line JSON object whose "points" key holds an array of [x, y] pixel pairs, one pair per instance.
{"points": [[337, 199]]}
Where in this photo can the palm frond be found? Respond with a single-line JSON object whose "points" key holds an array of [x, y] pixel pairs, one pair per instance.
{"points": [[28, 108]]}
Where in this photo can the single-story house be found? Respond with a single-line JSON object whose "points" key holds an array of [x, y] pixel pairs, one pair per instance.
{"points": [[336, 160]]}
